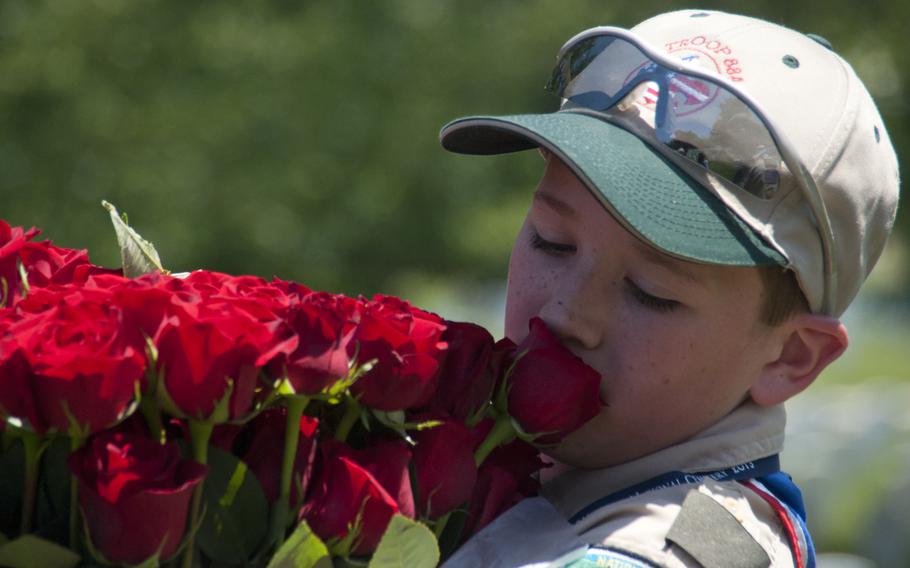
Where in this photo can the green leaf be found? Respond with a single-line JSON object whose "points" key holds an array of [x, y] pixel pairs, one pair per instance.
{"points": [[406, 544], [302, 549], [138, 255], [29, 551], [237, 512]]}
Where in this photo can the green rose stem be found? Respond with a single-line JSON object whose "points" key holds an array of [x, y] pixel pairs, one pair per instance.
{"points": [[295, 404], [148, 406], [350, 417], [148, 402], [502, 433], [200, 433], [32, 443]]}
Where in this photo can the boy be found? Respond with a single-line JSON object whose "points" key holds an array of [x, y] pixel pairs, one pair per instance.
{"points": [[716, 190]]}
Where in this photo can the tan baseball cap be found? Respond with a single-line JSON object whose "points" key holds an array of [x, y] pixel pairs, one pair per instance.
{"points": [[814, 103]]}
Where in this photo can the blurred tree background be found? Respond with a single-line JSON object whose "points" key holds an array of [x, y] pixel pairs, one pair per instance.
{"points": [[299, 139]]}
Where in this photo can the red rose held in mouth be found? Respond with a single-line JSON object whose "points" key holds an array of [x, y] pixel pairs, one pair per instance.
{"points": [[551, 391], [134, 494]]}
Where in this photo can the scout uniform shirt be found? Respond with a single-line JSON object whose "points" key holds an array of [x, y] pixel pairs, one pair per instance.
{"points": [[714, 500]]}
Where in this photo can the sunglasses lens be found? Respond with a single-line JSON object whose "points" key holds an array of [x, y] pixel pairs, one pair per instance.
{"points": [[700, 119]]}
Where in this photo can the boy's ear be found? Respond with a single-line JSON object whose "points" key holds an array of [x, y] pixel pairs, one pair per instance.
{"points": [[808, 344]]}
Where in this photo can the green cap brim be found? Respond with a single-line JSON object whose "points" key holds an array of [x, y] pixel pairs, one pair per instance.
{"points": [[643, 190]]}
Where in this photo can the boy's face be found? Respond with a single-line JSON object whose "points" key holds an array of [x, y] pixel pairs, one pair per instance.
{"points": [[678, 344]]}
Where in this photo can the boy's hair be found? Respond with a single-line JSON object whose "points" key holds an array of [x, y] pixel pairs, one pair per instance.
{"points": [[783, 297]]}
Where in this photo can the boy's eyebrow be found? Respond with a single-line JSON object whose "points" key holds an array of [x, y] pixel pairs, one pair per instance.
{"points": [[555, 203]]}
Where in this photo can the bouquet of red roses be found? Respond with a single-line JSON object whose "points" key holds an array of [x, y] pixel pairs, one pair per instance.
{"points": [[214, 420]]}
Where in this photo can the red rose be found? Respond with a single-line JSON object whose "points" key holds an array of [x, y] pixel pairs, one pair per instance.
{"points": [[347, 492], [48, 264], [552, 392], [15, 387], [223, 435], [146, 301], [262, 301], [406, 344], [12, 240], [314, 355], [82, 363], [387, 461], [266, 452], [522, 461], [507, 475], [204, 294], [445, 468], [203, 350], [44, 263], [470, 370], [495, 492], [293, 290], [134, 494]]}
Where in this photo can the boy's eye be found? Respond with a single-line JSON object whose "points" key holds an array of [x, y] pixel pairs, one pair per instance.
{"points": [[650, 301], [550, 247]]}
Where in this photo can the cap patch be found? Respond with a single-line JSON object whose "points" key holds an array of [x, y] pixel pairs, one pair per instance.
{"points": [[717, 52]]}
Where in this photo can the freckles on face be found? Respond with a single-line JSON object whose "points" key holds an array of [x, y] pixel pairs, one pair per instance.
{"points": [[673, 341]]}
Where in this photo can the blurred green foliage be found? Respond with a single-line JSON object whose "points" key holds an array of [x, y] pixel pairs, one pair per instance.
{"points": [[299, 138]]}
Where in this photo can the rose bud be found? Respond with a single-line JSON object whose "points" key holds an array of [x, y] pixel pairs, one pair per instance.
{"points": [[345, 494], [134, 494], [551, 391], [266, 452], [445, 468], [83, 363], [406, 344]]}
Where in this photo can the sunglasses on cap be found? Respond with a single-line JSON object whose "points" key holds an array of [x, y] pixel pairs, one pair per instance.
{"points": [[700, 116]]}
